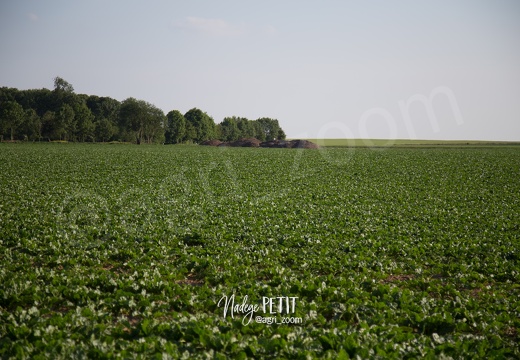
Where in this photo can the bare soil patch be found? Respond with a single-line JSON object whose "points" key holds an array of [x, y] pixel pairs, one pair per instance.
{"points": [[253, 142], [212, 142]]}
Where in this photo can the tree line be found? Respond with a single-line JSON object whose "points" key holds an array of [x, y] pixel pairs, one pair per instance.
{"points": [[61, 114]]}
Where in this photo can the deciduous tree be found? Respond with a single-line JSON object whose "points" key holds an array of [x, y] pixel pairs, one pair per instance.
{"points": [[84, 122], [11, 116], [175, 127], [32, 125], [104, 130], [65, 123], [144, 120], [229, 129], [203, 124], [271, 129]]}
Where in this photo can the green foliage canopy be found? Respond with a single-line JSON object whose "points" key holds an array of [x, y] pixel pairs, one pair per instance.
{"points": [[11, 116], [61, 114], [175, 127], [202, 123]]}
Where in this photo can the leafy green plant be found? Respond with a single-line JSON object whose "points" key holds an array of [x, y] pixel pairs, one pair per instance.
{"points": [[125, 251]]}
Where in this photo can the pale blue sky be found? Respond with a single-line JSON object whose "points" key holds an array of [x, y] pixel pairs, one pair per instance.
{"points": [[322, 68]]}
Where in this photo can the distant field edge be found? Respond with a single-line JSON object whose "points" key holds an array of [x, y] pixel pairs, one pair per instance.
{"points": [[407, 142]]}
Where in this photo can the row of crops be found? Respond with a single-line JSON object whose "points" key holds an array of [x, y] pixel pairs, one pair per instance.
{"points": [[120, 251]]}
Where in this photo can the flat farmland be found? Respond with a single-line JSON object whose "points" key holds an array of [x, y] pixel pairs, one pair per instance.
{"points": [[125, 251], [409, 143]]}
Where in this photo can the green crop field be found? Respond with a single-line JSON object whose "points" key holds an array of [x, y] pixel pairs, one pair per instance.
{"points": [[126, 251]]}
